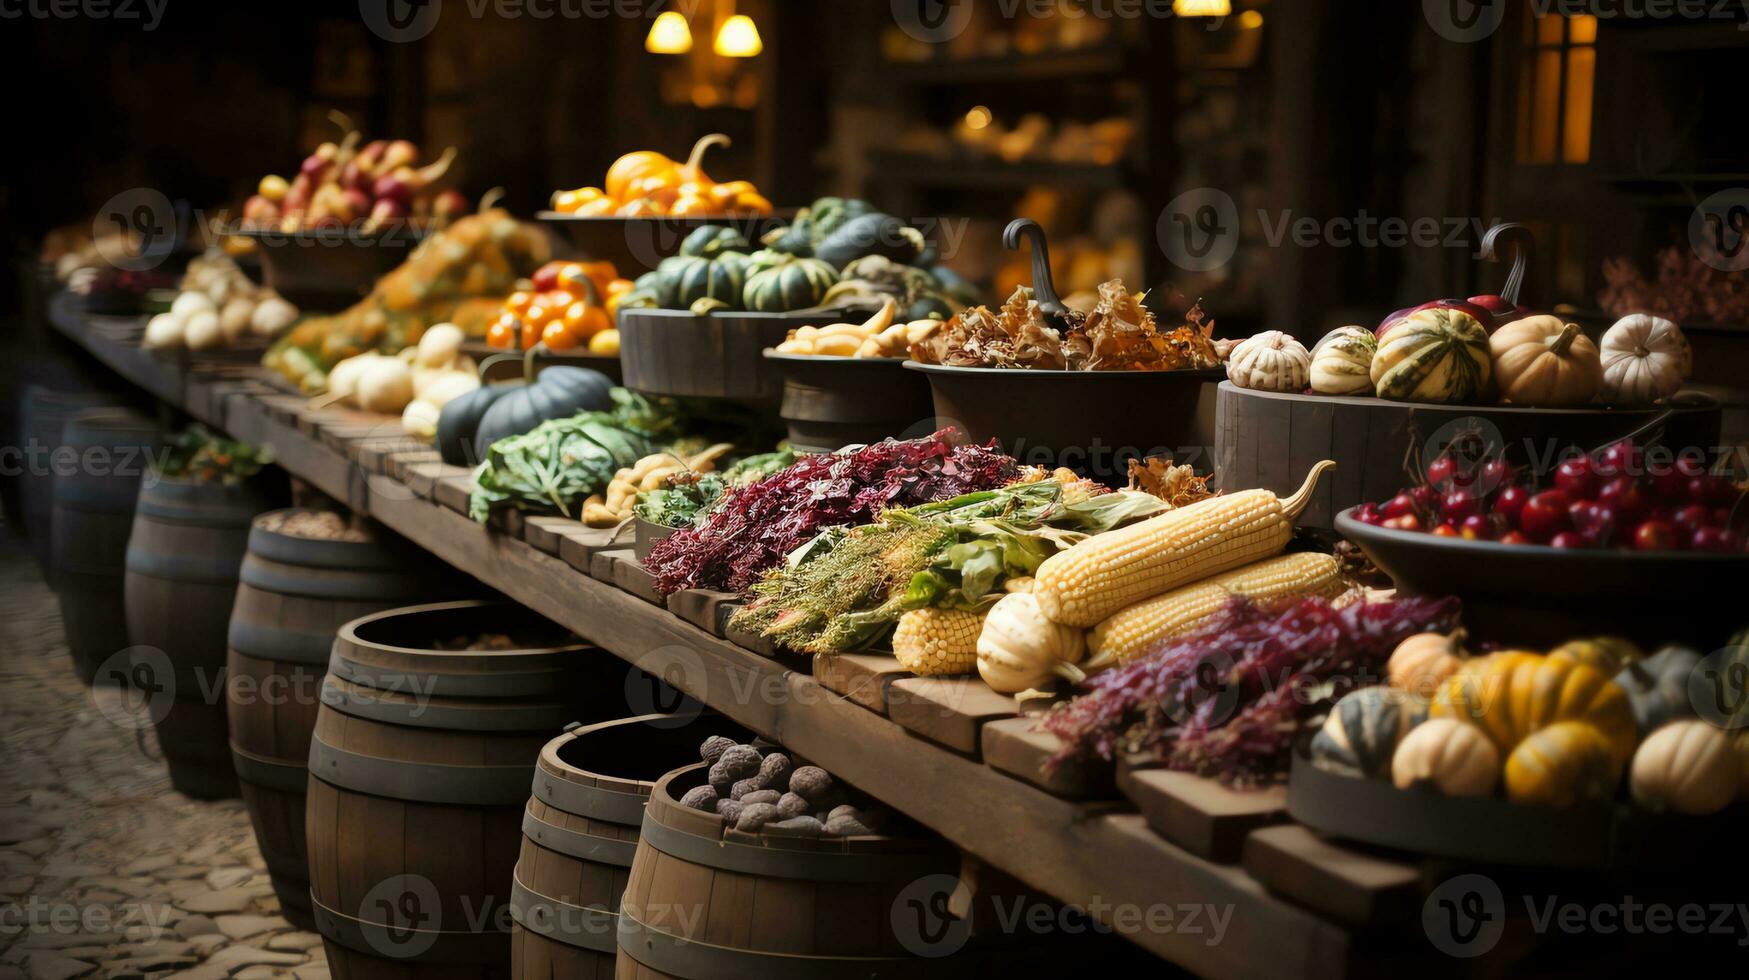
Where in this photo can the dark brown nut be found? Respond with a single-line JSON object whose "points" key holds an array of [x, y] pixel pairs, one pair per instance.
{"points": [[845, 825], [741, 788], [739, 761], [754, 816], [713, 748], [811, 782], [774, 772], [790, 805], [729, 810], [839, 811], [761, 796], [700, 798], [803, 823], [720, 780]]}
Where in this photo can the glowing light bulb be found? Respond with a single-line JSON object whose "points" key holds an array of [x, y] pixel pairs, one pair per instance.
{"points": [[977, 117], [669, 34], [738, 38], [1202, 8]]}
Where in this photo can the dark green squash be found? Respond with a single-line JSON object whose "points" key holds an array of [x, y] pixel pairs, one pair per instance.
{"points": [[1657, 687], [713, 240], [722, 278], [1361, 734], [791, 284], [871, 234], [558, 391], [459, 421]]}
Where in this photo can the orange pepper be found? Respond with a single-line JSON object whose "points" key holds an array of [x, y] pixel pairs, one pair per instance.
{"points": [[755, 203], [502, 332], [519, 301], [559, 336], [725, 193], [567, 202], [585, 320], [599, 207], [643, 207], [555, 301]]}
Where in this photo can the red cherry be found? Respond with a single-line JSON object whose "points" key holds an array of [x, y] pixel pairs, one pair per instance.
{"points": [[1619, 459], [1478, 527], [1625, 494], [1408, 522], [1442, 471], [1715, 539], [1368, 514], [1445, 531], [1496, 473], [1714, 491], [1514, 537], [1510, 503], [1545, 515], [1425, 498], [1400, 505], [1655, 536], [546, 278], [1578, 478], [1568, 539], [1460, 504], [1692, 518]]}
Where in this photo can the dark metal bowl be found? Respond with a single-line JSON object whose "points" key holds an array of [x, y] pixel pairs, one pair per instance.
{"points": [[1529, 595], [1093, 422], [328, 270], [717, 355], [830, 402]]}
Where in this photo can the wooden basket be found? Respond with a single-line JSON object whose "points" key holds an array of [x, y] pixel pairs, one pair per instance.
{"points": [[718, 355]]}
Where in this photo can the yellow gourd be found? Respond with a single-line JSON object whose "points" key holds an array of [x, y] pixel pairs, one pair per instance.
{"points": [[1513, 695], [1544, 362], [1424, 661], [1561, 765], [1605, 654]]}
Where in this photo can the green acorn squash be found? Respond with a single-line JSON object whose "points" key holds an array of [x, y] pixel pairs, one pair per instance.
{"points": [[791, 284], [722, 278], [713, 240], [1657, 687], [1434, 355], [1361, 734]]}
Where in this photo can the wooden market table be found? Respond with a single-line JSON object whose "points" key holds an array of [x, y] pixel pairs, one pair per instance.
{"points": [[948, 752]]}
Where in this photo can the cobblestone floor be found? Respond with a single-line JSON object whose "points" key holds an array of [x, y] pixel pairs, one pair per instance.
{"points": [[105, 871]]}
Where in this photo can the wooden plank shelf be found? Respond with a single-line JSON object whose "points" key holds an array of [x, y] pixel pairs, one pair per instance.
{"points": [[1199, 814], [947, 752]]}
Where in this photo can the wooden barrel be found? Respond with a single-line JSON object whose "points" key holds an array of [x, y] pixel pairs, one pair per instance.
{"points": [[580, 831], [704, 901], [293, 594], [416, 799], [42, 416], [89, 522], [183, 556]]}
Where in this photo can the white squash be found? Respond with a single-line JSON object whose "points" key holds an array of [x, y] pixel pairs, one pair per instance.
{"points": [[1019, 648], [163, 331], [272, 315], [439, 345], [1342, 362], [343, 376], [385, 384], [187, 304], [1270, 361], [419, 420], [1455, 756], [1645, 358], [201, 330], [1686, 766], [234, 316]]}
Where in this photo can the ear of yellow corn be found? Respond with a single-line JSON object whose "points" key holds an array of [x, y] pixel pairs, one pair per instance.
{"points": [[928, 642], [1134, 630], [1084, 584]]}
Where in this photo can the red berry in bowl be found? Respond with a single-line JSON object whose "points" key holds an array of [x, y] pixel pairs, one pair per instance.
{"points": [[1514, 537], [1692, 518], [1460, 504], [1714, 491], [1368, 514], [1625, 494], [1477, 527], [1714, 539], [1510, 503], [1577, 478], [1655, 536], [1408, 522], [1545, 515], [1425, 498], [1445, 531], [1400, 505], [1619, 459], [1568, 540], [1445, 472]]}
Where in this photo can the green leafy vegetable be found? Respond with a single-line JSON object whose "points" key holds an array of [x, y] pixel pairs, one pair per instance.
{"points": [[558, 464], [198, 453]]}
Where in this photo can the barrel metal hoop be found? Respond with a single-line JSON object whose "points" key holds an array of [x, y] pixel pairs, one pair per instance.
{"points": [[195, 571], [418, 711], [778, 862], [410, 945], [420, 782], [326, 583], [282, 777], [231, 517], [320, 553], [676, 957], [259, 641], [588, 801], [583, 847], [505, 684], [597, 929]]}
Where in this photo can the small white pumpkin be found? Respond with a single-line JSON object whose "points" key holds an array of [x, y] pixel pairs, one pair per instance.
{"points": [[1270, 361], [1019, 648], [272, 315], [201, 330], [1686, 766], [1645, 358], [1455, 756], [162, 332], [1342, 362]]}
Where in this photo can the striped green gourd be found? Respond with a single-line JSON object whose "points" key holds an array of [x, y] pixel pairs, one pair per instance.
{"points": [[1362, 732], [722, 278], [1434, 355], [1342, 362], [793, 284]]}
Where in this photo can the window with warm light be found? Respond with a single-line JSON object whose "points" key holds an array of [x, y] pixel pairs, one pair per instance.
{"points": [[1555, 83]]}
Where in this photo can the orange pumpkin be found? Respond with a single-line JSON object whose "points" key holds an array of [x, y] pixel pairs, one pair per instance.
{"points": [[634, 167]]}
